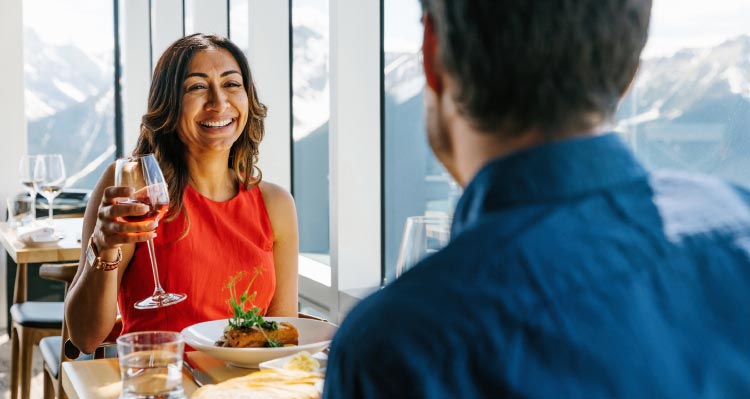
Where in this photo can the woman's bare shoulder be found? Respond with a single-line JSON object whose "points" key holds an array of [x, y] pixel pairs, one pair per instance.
{"points": [[275, 196], [280, 206]]}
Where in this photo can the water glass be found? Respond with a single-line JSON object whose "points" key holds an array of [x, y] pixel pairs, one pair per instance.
{"points": [[423, 235], [151, 364], [21, 210]]}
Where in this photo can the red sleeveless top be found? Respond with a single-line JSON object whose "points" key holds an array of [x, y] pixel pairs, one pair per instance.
{"points": [[223, 239]]}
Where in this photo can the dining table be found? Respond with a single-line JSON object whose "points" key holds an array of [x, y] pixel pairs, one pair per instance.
{"points": [[100, 378], [66, 250]]}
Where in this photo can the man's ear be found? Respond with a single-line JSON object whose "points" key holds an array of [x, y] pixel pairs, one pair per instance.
{"points": [[430, 54]]}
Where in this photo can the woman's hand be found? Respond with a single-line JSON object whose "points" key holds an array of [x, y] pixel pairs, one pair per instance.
{"points": [[111, 229]]}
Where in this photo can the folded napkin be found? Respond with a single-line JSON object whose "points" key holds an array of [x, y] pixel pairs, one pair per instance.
{"points": [[36, 233]]}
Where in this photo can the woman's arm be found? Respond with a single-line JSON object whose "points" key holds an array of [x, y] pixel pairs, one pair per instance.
{"points": [[91, 302], [283, 215]]}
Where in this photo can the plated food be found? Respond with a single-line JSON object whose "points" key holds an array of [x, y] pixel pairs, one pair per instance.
{"points": [[302, 361], [247, 329], [314, 336], [247, 338]]}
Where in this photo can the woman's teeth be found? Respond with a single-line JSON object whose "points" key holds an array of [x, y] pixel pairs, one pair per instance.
{"points": [[217, 123]]}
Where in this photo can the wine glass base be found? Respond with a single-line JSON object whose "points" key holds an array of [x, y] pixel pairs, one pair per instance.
{"points": [[160, 301]]}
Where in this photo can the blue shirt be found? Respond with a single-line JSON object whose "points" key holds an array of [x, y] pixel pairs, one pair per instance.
{"points": [[571, 272]]}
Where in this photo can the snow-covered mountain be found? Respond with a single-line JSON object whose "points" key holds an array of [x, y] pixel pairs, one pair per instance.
{"points": [[691, 111], [668, 88], [69, 100]]}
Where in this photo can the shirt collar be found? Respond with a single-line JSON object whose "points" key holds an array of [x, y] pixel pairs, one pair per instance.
{"points": [[550, 172]]}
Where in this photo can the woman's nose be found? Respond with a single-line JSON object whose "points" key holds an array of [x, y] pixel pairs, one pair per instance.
{"points": [[217, 99]]}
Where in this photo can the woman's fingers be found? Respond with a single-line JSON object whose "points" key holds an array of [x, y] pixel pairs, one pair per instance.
{"points": [[113, 193], [113, 227], [119, 210]]}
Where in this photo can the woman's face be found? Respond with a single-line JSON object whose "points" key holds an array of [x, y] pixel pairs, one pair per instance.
{"points": [[215, 103]]}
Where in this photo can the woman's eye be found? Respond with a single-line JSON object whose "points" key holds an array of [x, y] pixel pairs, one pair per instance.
{"points": [[196, 87], [233, 84]]}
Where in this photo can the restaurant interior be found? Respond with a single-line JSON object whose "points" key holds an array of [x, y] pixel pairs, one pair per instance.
{"points": [[342, 81]]}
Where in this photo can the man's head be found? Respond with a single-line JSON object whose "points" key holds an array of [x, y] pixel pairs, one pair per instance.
{"points": [[510, 66]]}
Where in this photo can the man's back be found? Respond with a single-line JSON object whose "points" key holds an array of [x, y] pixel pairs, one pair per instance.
{"points": [[571, 272]]}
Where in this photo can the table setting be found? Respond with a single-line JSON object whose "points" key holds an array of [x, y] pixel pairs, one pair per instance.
{"points": [[38, 174], [164, 364]]}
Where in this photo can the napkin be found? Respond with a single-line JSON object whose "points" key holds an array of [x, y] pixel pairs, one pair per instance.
{"points": [[36, 233]]}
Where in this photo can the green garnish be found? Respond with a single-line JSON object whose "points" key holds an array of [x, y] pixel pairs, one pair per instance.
{"points": [[247, 319]]}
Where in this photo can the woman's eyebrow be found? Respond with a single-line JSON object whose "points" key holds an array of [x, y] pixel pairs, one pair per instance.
{"points": [[203, 75]]}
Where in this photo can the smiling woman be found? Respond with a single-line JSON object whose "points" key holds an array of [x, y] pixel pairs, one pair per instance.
{"points": [[204, 124]]}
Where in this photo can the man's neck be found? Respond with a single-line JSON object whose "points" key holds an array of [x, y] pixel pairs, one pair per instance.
{"points": [[475, 149]]}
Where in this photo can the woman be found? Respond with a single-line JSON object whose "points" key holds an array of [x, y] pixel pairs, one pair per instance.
{"points": [[204, 124]]}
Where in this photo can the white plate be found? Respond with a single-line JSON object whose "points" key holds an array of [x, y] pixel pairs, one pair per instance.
{"points": [[314, 336], [278, 364], [54, 239]]}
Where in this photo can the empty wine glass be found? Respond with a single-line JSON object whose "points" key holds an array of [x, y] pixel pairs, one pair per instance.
{"points": [[26, 169], [49, 177], [143, 174], [423, 235], [26, 172]]}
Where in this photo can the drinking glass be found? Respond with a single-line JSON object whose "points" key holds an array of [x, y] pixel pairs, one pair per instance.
{"points": [[49, 177], [151, 364], [143, 174], [26, 168], [20, 210], [423, 235]]}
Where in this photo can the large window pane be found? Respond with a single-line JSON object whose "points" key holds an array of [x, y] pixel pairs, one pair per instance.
{"points": [[689, 108], [69, 78], [415, 182], [310, 109]]}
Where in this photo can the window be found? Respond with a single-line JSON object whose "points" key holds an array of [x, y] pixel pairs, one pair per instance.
{"points": [[69, 79], [239, 29], [415, 182], [310, 112], [689, 107]]}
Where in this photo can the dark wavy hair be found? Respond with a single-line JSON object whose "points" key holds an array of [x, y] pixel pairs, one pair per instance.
{"points": [[545, 64], [159, 124]]}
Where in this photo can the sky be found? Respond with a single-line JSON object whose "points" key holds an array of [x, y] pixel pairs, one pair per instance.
{"points": [[678, 24], [88, 24]]}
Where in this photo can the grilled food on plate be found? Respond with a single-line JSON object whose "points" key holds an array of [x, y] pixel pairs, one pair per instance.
{"points": [[247, 329], [258, 336]]}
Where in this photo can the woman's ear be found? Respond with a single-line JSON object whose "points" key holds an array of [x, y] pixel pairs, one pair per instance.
{"points": [[430, 54]]}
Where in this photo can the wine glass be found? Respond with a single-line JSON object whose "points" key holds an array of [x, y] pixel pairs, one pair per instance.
{"points": [[49, 177], [144, 175], [26, 169], [423, 235]]}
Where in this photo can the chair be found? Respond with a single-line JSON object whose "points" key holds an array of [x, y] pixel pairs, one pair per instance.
{"points": [[52, 387], [30, 323], [54, 353]]}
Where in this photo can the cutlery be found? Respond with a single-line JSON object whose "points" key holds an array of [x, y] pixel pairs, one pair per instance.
{"points": [[199, 377]]}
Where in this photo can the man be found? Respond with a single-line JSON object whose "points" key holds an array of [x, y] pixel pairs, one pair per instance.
{"points": [[571, 271]]}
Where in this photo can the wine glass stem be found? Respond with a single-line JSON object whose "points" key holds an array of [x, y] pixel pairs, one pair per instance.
{"points": [[49, 201], [158, 291]]}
